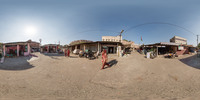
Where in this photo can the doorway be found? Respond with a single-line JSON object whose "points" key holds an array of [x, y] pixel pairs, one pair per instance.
{"points": [[110, 49]]}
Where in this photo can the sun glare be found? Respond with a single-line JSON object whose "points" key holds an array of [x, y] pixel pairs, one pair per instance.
{"points": [[30, 30]]}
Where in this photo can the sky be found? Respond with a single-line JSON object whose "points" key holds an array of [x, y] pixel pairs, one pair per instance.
{"points": [[69, 20]]}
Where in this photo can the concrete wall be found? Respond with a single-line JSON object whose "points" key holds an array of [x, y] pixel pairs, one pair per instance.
{"points": [[111, 38], [179, 40]]}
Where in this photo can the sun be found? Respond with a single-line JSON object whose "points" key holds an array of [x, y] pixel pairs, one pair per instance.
{"points": [[30, 30]]}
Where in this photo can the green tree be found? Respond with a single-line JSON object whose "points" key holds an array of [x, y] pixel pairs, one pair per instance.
{"points": [[198, 45], [127, 40]]}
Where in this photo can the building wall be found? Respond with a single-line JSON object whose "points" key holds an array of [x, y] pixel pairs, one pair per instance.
{"points": [[95, 47], [35, 45], [111, 38], [128, 43], [179, 40]]}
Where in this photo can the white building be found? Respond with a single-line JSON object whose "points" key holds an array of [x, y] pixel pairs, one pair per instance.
{"points": [[111, 38], [179, 40]]}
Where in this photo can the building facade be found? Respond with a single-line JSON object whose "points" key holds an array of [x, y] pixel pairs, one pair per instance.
{"points": [[20, 48], [128, 43], [112, 38], [109, 46], [125, 43], [179, 40], [50, 48]]}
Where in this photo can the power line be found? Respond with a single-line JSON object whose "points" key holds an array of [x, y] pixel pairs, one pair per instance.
{"points": [[165, 24], [160, 23]]}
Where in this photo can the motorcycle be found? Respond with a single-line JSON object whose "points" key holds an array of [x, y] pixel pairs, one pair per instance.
{"points": [[90, 55]]}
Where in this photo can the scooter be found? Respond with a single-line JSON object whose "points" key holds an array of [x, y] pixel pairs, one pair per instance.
{"points": [[81, 55]]}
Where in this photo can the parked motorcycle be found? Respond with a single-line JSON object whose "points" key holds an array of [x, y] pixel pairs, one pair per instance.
{"points": [[81, 54], [90, 55], [153, 55]]}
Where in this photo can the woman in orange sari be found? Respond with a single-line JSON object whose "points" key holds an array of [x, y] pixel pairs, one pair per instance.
{"points": [[104, 59]]}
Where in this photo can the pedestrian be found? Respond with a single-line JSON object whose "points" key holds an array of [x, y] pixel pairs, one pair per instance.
{"points": [[65, 52], [68, 52], [104, 59]]}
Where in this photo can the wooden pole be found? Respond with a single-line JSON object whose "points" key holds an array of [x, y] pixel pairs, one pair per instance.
{"points": [[18, 50], [84, 47], [98, 47], [4, 50], [28, 48], [157, 51]]}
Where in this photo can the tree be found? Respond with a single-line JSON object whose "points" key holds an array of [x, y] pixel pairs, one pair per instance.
{"points": [[198, 45], [127, 40]]}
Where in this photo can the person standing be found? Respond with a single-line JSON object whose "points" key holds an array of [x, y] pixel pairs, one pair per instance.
{"points": [[68, 52], [104, 59], [65, 52]]}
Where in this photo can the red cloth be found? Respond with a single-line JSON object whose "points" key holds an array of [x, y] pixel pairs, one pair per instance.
{"points": [[104, 57], [68, 53]]}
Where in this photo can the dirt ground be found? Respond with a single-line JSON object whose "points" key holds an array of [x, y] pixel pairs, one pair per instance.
{"points": [[55, 77]]}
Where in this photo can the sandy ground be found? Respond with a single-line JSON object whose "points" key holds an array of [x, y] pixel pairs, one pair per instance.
{"points": [[55, 77]]}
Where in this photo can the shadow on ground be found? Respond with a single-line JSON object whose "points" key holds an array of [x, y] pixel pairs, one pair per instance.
{"points": [[73, 56], [192, 61], [52, 54], [112, 63], [17, 63]]}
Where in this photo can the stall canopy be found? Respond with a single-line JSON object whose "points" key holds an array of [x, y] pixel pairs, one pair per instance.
{"points": [[163, 44]]}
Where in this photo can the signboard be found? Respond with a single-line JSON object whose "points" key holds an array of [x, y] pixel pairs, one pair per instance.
{"points": [[180, 48]]}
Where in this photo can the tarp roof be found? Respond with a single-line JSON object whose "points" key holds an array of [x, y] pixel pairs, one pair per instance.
{"points": [[20, 43], [163, 44]]}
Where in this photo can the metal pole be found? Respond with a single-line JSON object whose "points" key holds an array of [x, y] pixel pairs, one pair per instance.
{"points": [[120, 40], [197, 40]]}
